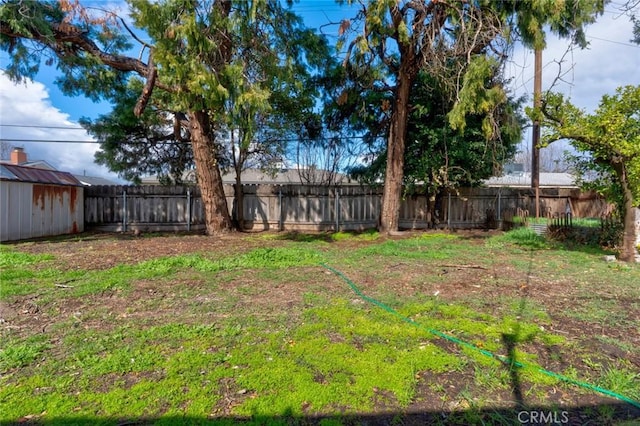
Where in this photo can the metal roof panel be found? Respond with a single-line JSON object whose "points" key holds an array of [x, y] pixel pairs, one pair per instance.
{"points": [[35, 175]]}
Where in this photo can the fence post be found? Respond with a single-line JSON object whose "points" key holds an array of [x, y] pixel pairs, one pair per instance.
{"points": [[337, 210], [280, 220], [499, 205], [124, 210], [188, 209], [449, 212]]}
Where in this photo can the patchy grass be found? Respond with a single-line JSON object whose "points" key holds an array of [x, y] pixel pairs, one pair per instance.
{"points": [[266, 333]]}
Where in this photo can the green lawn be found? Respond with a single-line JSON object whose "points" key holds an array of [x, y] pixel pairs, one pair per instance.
{"points": [[461, 326]]}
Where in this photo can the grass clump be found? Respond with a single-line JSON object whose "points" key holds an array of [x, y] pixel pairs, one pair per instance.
{"points": [[368, 235], [621, 380], [522, 237], [11, 259], [19, 270], [426, 246], [260, 258], [16, 354]]}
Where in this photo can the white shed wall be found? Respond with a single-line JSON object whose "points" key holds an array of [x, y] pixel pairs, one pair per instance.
{"points": [[31, 210]]}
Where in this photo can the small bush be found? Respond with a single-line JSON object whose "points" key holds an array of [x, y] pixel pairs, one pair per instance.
{"points": [[605, 233], [611, 231]]}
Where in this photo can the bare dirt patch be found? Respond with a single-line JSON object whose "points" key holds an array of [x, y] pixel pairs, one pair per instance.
{"points": [[96, 251]]}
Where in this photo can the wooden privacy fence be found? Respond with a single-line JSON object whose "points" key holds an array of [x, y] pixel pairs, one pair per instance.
{"points": [[319, 208]]}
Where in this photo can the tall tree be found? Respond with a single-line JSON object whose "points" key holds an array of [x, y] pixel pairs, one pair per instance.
{"points": [[271, 95], [190, 56], [438, 157], [407, 36], [612, 136], [441, 157]]}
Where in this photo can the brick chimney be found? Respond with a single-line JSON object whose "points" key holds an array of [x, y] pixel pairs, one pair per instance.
{"points": [[18, 156]]}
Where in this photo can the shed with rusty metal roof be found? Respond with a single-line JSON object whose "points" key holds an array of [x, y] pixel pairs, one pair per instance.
{"points": [[37, 202]]}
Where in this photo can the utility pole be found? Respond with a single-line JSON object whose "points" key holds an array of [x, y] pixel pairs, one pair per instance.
{"points": [[535, 150]]}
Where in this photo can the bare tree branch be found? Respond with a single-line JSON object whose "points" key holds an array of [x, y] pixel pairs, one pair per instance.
{"points": [[145, 96]]}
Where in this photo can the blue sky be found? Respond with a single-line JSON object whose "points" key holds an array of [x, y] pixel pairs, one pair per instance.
{"points": [[38, 111]]}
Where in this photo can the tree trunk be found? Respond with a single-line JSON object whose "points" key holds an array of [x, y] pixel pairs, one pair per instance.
{"points": [[216, 211], [628, 250], [395, 156]]}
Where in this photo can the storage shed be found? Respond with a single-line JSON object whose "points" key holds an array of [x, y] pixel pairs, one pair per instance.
{"points": [[39, 203]]}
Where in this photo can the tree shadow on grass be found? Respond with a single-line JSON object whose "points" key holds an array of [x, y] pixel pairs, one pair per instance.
{"points": [[305, 237], [327, 237], [605, 413]]}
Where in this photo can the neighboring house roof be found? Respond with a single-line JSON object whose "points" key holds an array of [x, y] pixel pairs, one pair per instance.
{"points": [[285, 176], [93, 180], [257, 176], [12, 172], [523, 179], [18, 168], [39, 164]]}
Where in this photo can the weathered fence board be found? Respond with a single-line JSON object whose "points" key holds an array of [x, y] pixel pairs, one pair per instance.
{"points": [[313, 208]]}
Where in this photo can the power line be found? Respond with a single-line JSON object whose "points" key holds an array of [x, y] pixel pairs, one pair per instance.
{"points": [[30, 126], [170, 142], [615, 42], [44, 140]]}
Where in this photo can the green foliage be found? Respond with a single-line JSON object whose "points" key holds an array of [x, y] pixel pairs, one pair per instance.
{"points": [[442, 157], [611, 137], [134, 147], [15, 354], [437, 156], [477, 99], [566, 19], [247, 65], [81, 73], [467, 78], [523, 237]]}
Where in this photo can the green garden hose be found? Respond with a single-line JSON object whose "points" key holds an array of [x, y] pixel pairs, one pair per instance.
{"points": [[512, 363]]}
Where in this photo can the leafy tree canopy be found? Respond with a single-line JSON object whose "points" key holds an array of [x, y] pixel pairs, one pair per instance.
{"points": [[439, 156], [196, 52], [611, 135], [153, 144]]}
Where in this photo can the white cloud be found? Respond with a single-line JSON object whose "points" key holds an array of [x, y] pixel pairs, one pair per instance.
{"points": [[26, 113], [610, 61]]}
